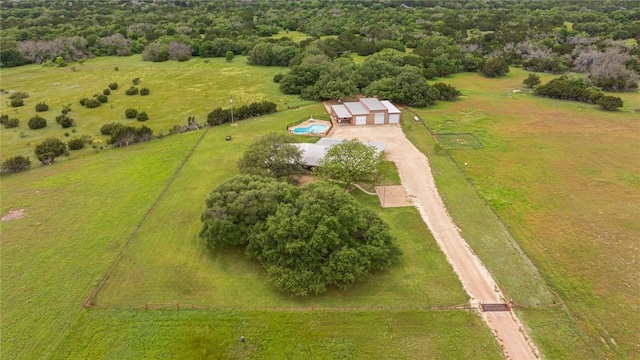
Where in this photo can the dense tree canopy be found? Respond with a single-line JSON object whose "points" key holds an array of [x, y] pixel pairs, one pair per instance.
{"points": [[308, 239], [271, 155]]}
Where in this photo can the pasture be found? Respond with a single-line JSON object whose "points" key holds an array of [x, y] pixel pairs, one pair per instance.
{"points": [[563, 177], [142, 204], [178, 90]]}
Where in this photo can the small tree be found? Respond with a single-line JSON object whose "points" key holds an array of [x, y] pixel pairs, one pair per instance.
{"points": [[349, 161], [37, 122], [229, 56], [271, 155], [131, 113], [15, 164], [531, 81], [49, 149], [610, 103], [41, 106]]}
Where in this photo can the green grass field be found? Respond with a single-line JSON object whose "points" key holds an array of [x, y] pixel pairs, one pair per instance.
{"points": [[178, 90], [80, 213], [563, 177]]}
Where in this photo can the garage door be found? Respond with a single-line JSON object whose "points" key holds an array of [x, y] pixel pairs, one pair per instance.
{"points": [[361, 120], [394, 118], [378, 118]]}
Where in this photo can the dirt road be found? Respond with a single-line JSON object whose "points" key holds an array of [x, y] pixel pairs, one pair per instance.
{"points": [[415, 173]]}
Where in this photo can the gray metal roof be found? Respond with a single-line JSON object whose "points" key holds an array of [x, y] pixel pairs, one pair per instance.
{"points": [[341, 111], [356, 108], [312, 153], [373, 104], [390, 107]]}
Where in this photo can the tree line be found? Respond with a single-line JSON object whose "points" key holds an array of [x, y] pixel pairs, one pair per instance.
{"points": [[448, 36]]}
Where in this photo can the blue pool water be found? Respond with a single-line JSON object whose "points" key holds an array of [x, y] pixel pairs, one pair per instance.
{"points": [[311, 129]]}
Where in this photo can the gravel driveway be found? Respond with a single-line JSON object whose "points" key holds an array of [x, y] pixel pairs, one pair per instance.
{"points": [[417, 179]]}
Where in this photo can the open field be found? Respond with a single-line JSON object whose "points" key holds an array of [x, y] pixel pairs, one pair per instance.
{"points": [[188, 334], [563, 176], [52, 259], [178, 90], [78, 214]]}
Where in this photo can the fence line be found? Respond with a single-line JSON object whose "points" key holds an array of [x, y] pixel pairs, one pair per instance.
{"points": [[89, 302]]}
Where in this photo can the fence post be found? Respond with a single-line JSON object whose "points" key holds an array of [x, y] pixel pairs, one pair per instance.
{"points": [[178, 307]]}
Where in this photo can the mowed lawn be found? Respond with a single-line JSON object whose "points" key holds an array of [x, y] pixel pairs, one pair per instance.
{"points": [[178, 90], [167, 262], [563, 176]]}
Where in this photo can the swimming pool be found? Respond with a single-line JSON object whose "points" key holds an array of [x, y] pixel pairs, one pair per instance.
{"points": [[311, 129]]}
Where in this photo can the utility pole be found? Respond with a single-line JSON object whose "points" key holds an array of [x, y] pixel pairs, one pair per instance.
{"points": [[231, 102]]}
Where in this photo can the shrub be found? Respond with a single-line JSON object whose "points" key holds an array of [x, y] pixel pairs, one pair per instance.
{"points": [[17, 102], [106, 91], [142, 116], [132, 91], [65, 121], [135, 81], [494, 67], [277, 77], [113, 86], [446, 91], [144, 91], [66, 109], [531, 81], [41, 106], [107, 129], [83, 101], [102, 98], [4, 118], [610, 103], [37, 122], [19, 95], [131, 113], [76, 144], [15, 164], [49, 149], [92, 103], [11, 123], [122, 135]]}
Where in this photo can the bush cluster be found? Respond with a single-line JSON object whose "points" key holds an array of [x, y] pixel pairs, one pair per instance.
{"points": [[37, 122], [65, 121], [132, 91], [124, 135], [102, 98], [11, 123], [15, 164], [220, 116], [565, 88]]}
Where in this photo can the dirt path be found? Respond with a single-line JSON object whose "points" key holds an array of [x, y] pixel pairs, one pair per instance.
{"points": [[415, 173]]}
